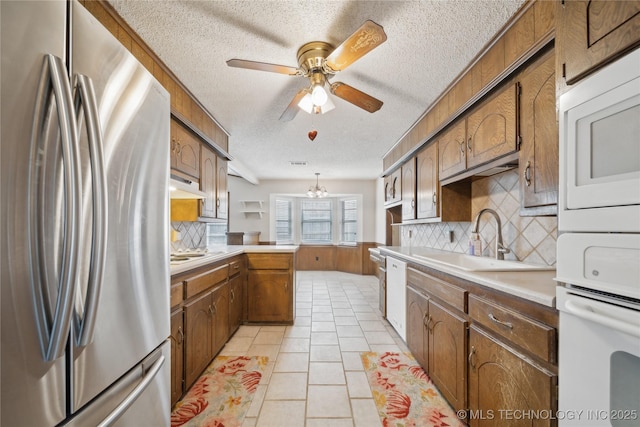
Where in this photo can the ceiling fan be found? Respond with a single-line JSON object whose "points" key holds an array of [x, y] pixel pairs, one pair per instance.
{"points": [[319, 61]]}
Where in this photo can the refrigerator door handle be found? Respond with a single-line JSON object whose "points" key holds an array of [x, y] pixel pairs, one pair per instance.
{"points": [[85, 101], [148, 376], [53, 330]]}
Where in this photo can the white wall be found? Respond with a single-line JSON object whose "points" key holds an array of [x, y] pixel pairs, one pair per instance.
{"points": [[240, 189]]}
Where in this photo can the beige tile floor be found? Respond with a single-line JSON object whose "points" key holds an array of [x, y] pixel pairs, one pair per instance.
{"points": [[315, 375]]}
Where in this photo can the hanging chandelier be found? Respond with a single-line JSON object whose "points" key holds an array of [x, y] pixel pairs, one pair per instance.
{"points": [[317, 191]]}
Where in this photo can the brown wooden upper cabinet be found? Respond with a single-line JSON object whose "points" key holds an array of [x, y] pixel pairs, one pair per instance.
{"points": [[208, 179], [222, 200], [409, 190], [213, 182], [393, 188], [453, 150], [487, 133], [591, 34], [538, 162], [427, 191], [185, 151], [491, 128]]}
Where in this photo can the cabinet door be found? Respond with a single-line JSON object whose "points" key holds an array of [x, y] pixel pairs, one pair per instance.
{"points": [[539, 131], [427, 192], [208, 174], [177, 356], [221, 315], [417, 335], [491, 129], [269, 296], [396, 185], [188, 153], [198, 317], [235, 302], [452, 151], [222, 199], [500, 379], [448, 354], [175, 134], [409, 190], [591, 34]]}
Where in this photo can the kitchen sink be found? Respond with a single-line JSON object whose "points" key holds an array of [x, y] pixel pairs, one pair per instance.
{"points": [[476, 263]]}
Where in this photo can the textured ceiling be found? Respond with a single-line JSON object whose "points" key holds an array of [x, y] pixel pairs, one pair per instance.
{"points": [[428, 45]]}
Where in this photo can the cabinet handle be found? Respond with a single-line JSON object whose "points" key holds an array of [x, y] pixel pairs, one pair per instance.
{"points": [[178, 148], [413, 203], [461, 144], [180, 335], [233, 295], [471, 359], [469, 144], [286, 286], [218, 202], [210, 309], [215, 309], [236, 267], [500, 322], [527, 174], [435, 198], [424, 319], [173, 145]]}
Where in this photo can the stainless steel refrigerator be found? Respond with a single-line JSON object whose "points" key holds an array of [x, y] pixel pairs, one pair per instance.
{"points": [[84, 217]]}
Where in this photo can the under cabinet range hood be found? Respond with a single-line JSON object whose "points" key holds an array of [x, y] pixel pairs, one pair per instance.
{"points": [[183, 189]]}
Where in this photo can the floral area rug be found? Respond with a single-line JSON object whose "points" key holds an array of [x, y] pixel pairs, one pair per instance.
{"points": [[223, 393], [404, 394]]}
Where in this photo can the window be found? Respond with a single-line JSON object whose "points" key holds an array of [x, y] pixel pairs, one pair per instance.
{"points": [[316, 221], [284, 222], [349, 224]]}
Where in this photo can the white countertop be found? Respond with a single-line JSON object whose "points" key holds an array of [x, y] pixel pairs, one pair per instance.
{"points": [[535, 286], [222, 252]]}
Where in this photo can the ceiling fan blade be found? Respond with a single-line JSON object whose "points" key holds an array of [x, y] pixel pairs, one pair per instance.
{"points": [[262, 66], [292, 108], [356, 97], [366, 38]]}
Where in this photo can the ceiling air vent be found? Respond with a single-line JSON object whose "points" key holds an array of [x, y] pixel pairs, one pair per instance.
{"points": [[298, 163]]}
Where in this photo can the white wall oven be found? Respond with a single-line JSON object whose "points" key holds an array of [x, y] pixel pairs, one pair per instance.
{"points": [[598, 254], [600, 151]]}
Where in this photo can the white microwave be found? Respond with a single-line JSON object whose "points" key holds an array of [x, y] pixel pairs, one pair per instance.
{"points": [[599, 122]]}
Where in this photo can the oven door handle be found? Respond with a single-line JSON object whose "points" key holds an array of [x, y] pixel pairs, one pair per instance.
{"points": [[586, 311]]}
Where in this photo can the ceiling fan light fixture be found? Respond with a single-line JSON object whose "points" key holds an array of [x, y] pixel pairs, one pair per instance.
{"points": [[306, 103], [319, 95]]}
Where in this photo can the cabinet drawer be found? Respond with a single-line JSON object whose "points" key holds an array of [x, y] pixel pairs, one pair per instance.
{"points": [[452, 295], [536, 337], [176, 294], [235, 267], [269, 261], [196, 284]]}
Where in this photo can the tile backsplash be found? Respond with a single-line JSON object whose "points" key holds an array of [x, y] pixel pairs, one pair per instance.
{"points": [[192, 235], [530, 239]]}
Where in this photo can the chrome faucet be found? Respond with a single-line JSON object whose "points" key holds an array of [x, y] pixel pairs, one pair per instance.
{"points": [[500, 248]]}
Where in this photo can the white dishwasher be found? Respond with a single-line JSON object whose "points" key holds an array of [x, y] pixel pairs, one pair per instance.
{"points": [[397, 295]]}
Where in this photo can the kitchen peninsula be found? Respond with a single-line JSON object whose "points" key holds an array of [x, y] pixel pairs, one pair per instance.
{"points": [[211, 295]]}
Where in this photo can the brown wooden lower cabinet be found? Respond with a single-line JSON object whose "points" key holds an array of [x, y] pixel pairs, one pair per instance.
{"points": [[270, 287], [236, 302], [437, 339], [199, 336], [504, 362], [503, 384], [269, 296], [177, 355], [221, 313], [448, 354], [417, 333]]}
